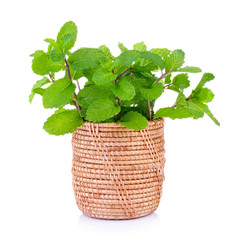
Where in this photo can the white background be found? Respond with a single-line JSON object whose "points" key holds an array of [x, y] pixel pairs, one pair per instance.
{"points": [[201, 194]]}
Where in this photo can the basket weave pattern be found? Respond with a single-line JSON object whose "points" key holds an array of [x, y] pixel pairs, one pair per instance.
{"points": [[117, 172]]}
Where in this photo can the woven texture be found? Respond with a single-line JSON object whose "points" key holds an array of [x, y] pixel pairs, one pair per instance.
{"points": [[117, 172]]}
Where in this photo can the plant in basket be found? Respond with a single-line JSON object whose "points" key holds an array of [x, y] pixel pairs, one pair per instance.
{"points": [[118, 141]]}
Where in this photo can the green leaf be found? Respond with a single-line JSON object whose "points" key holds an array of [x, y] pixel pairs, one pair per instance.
{"points": [[62, 122], [91, 93], [50, 40], [42, 64], [175, 60], [124, 90], [106, 51], [38, 84], [207, 77], [39, 91], [181, 80], [122, 47], [102, 109], [140, 46], [173, 113], [189, 69], [87, 58], [163, 52], [58, 94], [154, 58], [154, 92], [168, 79], [204, 95], [134, 120], [124, 60], [103, 77], [56, 55], [205, 109], [67, 36]]}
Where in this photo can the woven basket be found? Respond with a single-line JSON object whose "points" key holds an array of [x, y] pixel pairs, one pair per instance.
{"points": [[117, 172]]}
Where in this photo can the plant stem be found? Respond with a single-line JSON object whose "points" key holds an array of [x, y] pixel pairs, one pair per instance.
{"points": [[51, 78], [122, 73], [75, 95], [163, 75], [78, 85], [167, 85], [149, 110]]}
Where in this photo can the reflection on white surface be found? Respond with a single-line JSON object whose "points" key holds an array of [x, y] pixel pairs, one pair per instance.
{"points": [[119, 226]]}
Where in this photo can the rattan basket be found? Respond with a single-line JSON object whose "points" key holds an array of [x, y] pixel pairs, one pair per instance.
{"points": [[117, 172]]}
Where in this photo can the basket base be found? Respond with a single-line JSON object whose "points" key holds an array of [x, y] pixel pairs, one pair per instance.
{"points": [[106, 217]]}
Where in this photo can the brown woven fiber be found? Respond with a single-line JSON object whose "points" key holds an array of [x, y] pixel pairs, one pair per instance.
{"points": [[117, 172]]}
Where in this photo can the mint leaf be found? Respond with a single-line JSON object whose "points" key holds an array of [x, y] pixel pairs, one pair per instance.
{"points": [[103, 77], [102, 109], [87, 58], [189, 69], [173, 113], [58, 94], [154, 92], [175, 60], [204, 95], [163, 52], [37, 85], [207, 77], [67, 36], [106, 51], [140, 46], [91, 93], [56, 55], [205, 109], [42, 64], [124, 90], [168, 79], [124, 60], [181, 80], [154, 58], [62, 122], [134, 120], [122, 47]]}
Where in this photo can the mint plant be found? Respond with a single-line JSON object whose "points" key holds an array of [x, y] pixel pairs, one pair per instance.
{"points": [[119, 89]]}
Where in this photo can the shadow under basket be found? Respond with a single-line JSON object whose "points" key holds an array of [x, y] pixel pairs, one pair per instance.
{"points": [[118, 173]]}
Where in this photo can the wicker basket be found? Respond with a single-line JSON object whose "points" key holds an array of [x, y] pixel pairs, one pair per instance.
{"points": [[117, 172]]}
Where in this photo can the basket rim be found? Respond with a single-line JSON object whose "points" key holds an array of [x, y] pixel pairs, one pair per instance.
{"points": [[115, 124]]}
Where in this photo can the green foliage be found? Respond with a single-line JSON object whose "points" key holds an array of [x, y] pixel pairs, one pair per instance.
{"points": [[173, 113], [102, 109], [181, 80], [204, 95], [62, 122], [175, 60], [67, 36], [189, 69], [106, 51], [85, 58], [103, 77], [154, 58], [134, 120], [38, 86], [58, 94], [125, 60], [124, 90], [154, 92], [140, 46], [42, 64], [121, 89], [122, 47], [92, 93]]}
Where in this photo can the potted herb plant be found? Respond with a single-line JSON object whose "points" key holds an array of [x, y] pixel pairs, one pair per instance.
{"points": [[118, 141]]}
